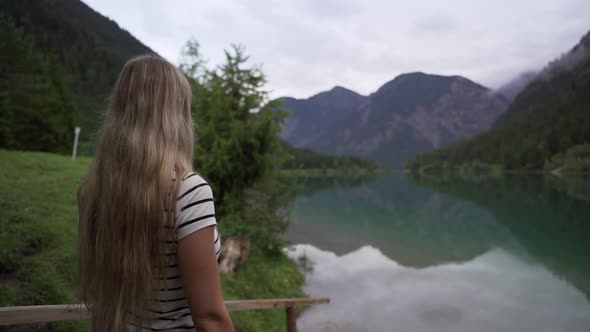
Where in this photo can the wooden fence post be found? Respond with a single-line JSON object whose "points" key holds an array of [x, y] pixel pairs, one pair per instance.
{"points": [[291, 319], [75, 148]]}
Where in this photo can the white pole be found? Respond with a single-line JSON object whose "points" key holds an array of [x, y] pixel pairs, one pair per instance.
{"points": [[76, 135]]}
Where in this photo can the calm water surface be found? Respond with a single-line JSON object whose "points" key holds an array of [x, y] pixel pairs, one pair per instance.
{"points": [[399, 255]]}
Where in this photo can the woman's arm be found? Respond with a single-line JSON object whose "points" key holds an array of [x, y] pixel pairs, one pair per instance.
{"points": [[198, 266]]}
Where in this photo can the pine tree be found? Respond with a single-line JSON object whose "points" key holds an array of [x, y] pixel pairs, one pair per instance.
{"points": [[238, 147], [35, 112]]}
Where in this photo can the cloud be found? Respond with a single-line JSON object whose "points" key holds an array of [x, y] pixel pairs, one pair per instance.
{"points": [[307, 46], [435, 24]]}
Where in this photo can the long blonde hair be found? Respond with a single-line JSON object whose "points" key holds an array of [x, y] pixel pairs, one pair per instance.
{"points": [[127, 201]]}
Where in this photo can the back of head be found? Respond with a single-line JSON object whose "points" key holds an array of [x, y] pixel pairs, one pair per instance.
{"points": [[128, 199]]}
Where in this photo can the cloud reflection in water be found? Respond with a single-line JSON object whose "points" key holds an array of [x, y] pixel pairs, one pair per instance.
{"points": [[493, 292]]}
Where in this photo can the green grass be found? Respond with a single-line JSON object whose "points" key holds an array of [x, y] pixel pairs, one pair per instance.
{"points": [[38, 229], [38, 255], [263, 277]]}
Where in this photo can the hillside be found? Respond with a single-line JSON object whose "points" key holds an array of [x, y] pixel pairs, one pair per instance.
{"points": [[548, 118], [411, 114], [87, 49]]}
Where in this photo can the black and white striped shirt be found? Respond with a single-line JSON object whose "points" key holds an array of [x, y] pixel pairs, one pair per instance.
{"points": [[194, 211]]}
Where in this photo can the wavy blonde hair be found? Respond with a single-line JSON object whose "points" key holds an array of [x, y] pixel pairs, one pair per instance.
{"points": [[127, 201]]}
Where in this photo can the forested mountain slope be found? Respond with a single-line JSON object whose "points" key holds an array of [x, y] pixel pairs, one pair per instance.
{"points": [[36, 112], [86, 49], [548, 118]]}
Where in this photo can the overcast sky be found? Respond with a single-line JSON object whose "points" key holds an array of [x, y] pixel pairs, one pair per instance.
{"points": [[307, 46]]}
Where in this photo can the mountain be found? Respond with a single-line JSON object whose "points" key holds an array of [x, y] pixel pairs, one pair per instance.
{"points": [[548, 118], [321, 113], [512, 88], [411, 114], [88, 49]]}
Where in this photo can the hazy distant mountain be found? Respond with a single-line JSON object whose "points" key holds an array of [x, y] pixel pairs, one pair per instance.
{"points": [[546, 119], [321, 113], [512, 88], [411, 114]]}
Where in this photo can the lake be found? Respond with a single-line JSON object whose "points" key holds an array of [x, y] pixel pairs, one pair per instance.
{"points": [[396, 254]]}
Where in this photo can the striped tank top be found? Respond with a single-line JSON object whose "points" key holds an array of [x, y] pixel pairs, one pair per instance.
{"points": [[194, 211]]}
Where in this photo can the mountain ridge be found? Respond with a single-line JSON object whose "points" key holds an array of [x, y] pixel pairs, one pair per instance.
{"points": [[334, 105], [547, 119], [514, 86], [396, 121]]}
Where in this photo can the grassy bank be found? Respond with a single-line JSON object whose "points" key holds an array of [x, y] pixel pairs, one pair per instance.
{"points": [[573, 162], [38, 232], [479, 170]]}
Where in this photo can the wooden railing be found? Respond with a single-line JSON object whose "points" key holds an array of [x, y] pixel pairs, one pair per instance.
{"points": [[63, 312]]}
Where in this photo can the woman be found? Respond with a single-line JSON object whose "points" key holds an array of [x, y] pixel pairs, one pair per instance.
{"points": [[148, 243]]}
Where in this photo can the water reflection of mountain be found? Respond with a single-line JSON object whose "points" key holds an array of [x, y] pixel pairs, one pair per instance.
{"points": [[412, 225], [551, 223]]}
